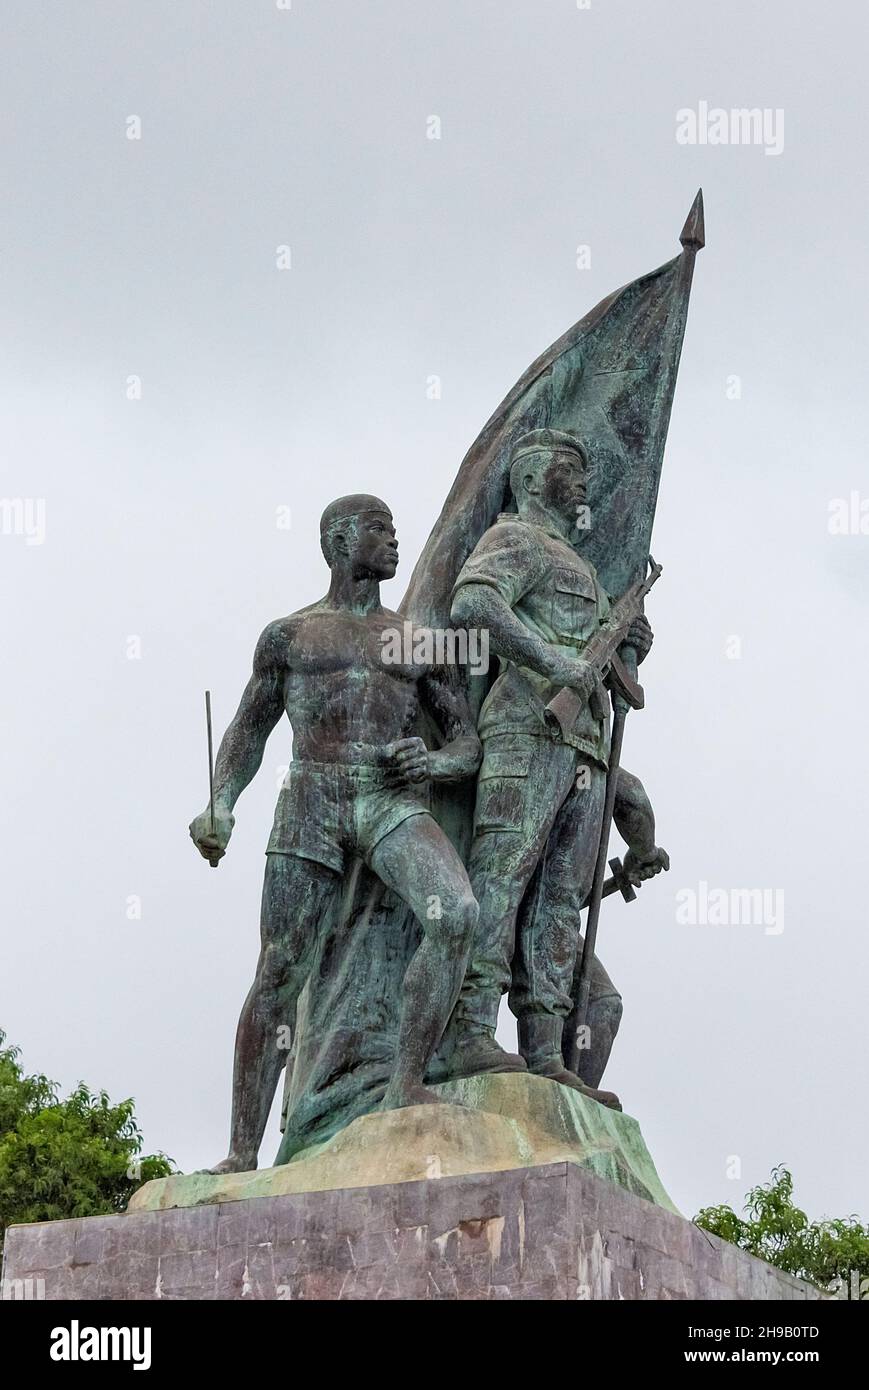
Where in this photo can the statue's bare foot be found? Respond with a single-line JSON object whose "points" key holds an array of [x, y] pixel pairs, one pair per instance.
{"points": [[401, 1096], [233, 1163]]}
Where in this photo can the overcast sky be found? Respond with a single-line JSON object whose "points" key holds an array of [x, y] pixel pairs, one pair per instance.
{"points": [[168, 391]]}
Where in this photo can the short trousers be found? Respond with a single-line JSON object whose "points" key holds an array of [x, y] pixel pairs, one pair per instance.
{"points": [[332, 812]]}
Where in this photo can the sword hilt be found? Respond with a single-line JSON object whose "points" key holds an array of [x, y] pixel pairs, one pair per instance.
{"points": [[619, 883]]}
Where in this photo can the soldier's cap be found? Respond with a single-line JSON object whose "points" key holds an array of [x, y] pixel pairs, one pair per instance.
{"points": [[547, 441], [356, 504]]}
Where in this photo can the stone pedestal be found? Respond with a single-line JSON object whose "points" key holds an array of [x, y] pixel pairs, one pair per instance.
{"points": [[554, 1231], [514, 1188]]}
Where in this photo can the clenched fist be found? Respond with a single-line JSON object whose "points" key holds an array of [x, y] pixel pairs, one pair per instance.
{"points": [[407, 760], [640, 636], [639, 867], [212, 842]]}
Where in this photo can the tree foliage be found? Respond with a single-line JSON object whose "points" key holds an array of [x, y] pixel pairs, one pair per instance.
{"points": [[62, 1158], [833, 1255]]}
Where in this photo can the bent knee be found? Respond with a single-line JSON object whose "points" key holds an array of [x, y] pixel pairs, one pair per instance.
{"points": [[459, 920]]}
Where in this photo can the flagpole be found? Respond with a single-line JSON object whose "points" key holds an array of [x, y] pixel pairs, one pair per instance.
{"points": [[692, 239]]}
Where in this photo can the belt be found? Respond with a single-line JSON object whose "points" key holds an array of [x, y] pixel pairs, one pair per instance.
{"points": [[367, 772]]}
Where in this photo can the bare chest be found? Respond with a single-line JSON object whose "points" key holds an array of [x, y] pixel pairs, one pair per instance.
{"points": [[381, 645]]}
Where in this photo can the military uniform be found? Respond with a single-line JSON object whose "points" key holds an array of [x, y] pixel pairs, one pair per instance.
{"points": [[539, 795]]}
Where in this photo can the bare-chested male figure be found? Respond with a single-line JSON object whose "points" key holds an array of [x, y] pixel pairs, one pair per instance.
{"points": [[357, 787]]}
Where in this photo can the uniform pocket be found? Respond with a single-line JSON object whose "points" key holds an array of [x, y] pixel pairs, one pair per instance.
{"points": [[501, 790], [574, 604]]}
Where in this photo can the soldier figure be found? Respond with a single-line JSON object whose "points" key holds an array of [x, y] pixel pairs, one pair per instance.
{"points": [[540, 795]]}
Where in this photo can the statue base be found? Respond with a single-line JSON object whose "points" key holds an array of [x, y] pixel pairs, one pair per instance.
{"points": [[525, 1190], [490, 1124], [551, 1232]]}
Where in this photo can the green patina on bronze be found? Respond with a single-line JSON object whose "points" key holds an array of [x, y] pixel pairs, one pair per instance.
{"points": [[439, 831], [356, 794], [492, 1123]]}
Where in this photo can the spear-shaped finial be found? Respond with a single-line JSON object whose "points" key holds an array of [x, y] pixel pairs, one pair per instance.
{"points": [[694, 231]]}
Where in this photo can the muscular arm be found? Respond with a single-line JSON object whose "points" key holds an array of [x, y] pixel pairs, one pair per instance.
{"points": [[462, 752], [261, 706], [482, 606], [243, 744], [635, 822]]}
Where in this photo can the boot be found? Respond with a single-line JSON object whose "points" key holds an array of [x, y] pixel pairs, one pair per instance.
{"points": [[474, 1052], [540, 1045]]}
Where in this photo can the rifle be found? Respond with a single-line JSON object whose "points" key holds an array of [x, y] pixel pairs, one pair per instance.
{"points": [[601, 653]]}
